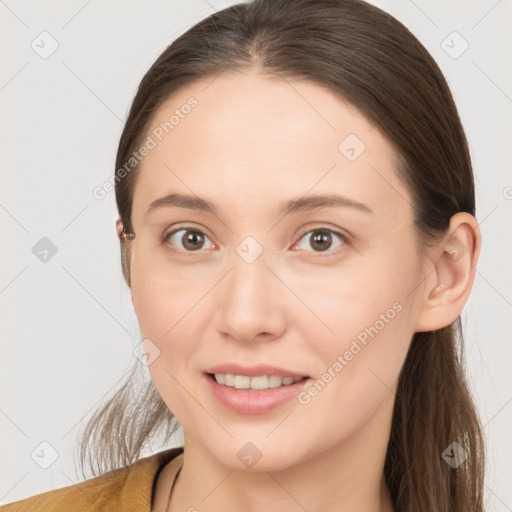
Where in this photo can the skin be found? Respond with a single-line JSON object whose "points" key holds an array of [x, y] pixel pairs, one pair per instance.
{"points": [[252, 142]]}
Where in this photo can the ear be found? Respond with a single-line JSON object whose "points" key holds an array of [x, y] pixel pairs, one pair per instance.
{"points": [[119, 228], [449, 283], [124, 253]]}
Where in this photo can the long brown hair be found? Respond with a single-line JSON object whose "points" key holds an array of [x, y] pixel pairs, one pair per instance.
{"points": [[374, 62]]}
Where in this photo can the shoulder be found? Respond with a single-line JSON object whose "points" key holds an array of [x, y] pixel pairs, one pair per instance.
{"points": [[108, 492]]}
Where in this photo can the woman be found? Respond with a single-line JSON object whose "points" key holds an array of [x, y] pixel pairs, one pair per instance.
{"points": [[296, 220]]}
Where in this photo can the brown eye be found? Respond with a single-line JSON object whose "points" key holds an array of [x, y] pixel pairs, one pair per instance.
{"points": [[321, 240], [190, 239]]}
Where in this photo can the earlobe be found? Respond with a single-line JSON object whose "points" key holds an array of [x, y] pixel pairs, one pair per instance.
{"points": [[449, 283]]}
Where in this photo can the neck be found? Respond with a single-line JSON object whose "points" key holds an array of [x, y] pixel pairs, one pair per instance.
{"points": [[346, 477]]}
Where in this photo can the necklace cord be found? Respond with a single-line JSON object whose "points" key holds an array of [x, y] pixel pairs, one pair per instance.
{"points": [[167, 508]]}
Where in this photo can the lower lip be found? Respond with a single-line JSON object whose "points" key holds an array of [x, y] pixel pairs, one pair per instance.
{"points": [[244, 401]]}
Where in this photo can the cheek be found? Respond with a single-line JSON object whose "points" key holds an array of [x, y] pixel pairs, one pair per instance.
{"points": [[152, 307], [171, 314], [363, 303], [164, 314], [369, 313], [161, 298], [371, 339], [359, 374]]}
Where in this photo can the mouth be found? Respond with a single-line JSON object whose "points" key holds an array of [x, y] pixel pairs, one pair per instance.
{"points": [[255, 394], [254, 383]]}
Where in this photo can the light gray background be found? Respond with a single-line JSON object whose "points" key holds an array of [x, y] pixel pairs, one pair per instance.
{"points": [[68, 328]]}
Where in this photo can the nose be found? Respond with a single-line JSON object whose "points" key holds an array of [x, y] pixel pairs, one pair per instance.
{"points": [[252, 301]]}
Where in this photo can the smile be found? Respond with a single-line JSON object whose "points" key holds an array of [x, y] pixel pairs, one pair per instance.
{"points": [[256, 383]]}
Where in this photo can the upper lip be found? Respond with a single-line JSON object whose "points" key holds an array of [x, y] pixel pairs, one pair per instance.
{"points": [[253, 371]]}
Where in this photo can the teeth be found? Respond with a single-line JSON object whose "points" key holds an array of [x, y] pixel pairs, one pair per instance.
{"points": [[254, 383], [242, 382]]}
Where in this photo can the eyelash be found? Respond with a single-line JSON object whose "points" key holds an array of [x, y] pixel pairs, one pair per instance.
{"points": [[328, 252]]}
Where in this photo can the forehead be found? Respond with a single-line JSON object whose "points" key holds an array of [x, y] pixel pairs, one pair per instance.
{"points": [[252, 137]]}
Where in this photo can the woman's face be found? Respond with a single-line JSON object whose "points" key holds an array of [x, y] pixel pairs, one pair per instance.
{"points": [[323, 290]]}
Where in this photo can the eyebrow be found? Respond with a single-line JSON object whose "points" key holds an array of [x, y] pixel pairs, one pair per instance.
{"points": [[296, 205]]}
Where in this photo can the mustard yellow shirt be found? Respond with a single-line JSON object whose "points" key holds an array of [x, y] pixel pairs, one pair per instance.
{"points": [[129, 489]]}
